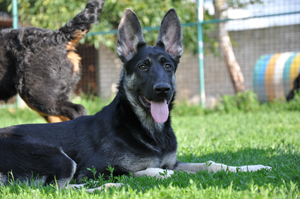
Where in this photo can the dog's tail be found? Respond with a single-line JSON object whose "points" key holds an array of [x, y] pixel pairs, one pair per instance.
{"points": [[78, 27]]}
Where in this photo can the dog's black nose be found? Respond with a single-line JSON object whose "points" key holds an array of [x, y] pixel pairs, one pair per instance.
{"points": [[162, 88]]}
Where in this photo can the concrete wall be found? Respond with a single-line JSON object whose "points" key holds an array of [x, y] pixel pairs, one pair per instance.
{"points": [[249, 45]]}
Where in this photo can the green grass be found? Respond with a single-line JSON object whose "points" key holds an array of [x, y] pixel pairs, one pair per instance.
{"points": [[265, 136]]}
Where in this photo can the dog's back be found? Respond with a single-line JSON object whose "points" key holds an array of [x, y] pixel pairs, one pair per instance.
{"points": [[43, 66]]}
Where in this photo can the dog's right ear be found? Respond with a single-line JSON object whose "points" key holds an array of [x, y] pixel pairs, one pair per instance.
{"points": [[130, 36]]}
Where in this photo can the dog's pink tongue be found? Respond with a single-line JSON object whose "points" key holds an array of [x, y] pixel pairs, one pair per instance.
{"points": [[160, 111]]}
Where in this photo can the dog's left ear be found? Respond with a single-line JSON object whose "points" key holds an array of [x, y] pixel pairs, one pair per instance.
{"points": [[170, 35]]}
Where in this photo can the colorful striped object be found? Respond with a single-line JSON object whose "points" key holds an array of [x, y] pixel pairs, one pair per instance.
{"points": [[274, 75]]}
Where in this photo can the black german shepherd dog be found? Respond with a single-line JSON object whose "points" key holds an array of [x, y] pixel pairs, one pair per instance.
{"points": [[43, 66], [133, 133]]}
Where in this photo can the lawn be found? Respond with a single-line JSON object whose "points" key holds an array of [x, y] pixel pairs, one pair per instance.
{"points": [[266, 136]]}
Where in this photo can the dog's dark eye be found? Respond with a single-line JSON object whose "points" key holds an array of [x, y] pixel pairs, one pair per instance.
{"points": [[143, 67], [168, 66]]}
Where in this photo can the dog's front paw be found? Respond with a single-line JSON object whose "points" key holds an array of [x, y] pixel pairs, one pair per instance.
{"points": [[165, 174], [105, 186], [154, 172], [254, 168]]}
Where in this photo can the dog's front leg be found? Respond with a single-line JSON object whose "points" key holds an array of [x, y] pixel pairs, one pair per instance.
{"points": [[215, 167], [154, 172]]}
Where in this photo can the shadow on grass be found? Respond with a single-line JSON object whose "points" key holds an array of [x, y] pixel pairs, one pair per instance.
{"points": [[285, 169]]}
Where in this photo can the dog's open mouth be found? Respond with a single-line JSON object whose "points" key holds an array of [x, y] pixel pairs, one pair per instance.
{"points": [[159, 109]]}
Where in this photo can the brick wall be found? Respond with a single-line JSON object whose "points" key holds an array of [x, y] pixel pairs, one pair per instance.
{"points": [[109, 71]]}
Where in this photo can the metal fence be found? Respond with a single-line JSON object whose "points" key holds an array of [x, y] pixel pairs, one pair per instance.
{"points": [[269, 31], [266, 46], [267, 50], [266, 43]]}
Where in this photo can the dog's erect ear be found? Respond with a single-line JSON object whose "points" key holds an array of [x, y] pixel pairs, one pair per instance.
{"points": [[170, 35], [130, 36]]}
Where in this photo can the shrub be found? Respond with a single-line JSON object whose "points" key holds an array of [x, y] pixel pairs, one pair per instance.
{"points": [[246, 102]]}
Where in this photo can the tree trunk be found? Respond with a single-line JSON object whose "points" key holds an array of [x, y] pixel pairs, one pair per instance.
{"points": [[233, 66]]}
